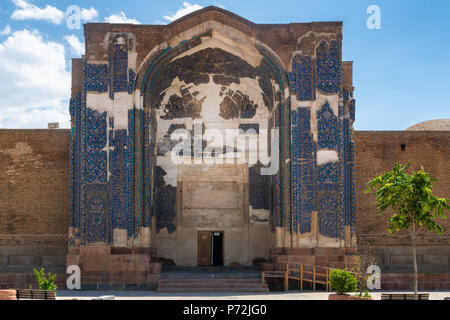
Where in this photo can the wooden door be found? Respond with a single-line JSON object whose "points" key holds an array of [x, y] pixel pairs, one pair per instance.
{"points": [[204, 248]]}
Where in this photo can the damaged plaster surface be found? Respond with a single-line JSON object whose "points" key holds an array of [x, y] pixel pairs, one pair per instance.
{"points": [[220, 85]]}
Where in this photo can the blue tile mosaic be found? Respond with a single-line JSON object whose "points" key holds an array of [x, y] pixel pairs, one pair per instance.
{"points": [[89, 155], [74, 110], [303, 168], [146, 168], [120, 68], [333, 182], [352, 109], [329, 173], [328, 214], [328, 128], [349, 177], [97, 77], [302, 78], [329, 67], [96, 167], [96, 220], [131, 80], [96, 129], [121, 181]]}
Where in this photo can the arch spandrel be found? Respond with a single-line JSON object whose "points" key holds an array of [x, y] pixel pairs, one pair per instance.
{"points": [[211, 31]]}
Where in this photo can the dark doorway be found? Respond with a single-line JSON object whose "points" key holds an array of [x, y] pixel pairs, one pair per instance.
{"points": [[210, 248], [217, 248]]}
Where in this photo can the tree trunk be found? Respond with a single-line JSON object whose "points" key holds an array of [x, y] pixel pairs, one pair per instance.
{"points": [[416, 272]]}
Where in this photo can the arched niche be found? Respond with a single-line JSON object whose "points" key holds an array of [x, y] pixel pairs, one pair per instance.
{"points": [[218, 76]]}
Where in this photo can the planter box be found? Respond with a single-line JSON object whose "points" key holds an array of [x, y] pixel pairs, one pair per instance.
{"points": [[338, 297], [8, 295], [346, 297], [359, 298]]}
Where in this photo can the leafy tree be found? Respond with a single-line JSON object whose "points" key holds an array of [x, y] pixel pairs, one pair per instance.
{"points": [[45, 283], [410, 198]]}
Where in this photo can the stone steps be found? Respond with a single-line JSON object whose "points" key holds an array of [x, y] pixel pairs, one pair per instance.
{"points": [[210, 269], [209, 284], [211, 280], [203, 275], [193, 283], [205, 282], [202, 290]]}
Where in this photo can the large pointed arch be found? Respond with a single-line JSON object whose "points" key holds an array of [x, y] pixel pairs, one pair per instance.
{"points": [[261, 57]]}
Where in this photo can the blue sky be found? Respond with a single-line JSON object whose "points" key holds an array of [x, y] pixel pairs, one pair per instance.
{"points": [[401, 72]]}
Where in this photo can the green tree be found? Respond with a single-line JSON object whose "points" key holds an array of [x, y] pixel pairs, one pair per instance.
{"points": [[412, 202], [45, 283]]}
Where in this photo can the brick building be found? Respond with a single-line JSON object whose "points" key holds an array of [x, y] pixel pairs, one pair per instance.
{"points": [[109, 196]]}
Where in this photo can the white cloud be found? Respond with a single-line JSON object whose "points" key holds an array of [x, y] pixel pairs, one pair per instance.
{"points": [[35, 118], [75, 44], [219, 5], [184, 10], [34, 82], [6, 31], [120, 18], [89, 15], [26, 10]]}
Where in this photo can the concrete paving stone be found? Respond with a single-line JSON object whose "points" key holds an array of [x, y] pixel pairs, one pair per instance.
{"points": [[152, 295]]}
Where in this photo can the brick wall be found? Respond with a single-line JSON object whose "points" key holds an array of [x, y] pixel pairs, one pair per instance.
{"points": [[34, 198], [376, 153]]}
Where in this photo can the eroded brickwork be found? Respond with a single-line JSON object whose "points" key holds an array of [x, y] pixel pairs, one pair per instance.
{"points": [[34, 182], [378, 152], [34, 198]]}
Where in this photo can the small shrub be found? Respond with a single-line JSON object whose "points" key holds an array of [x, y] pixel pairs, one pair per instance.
{"points": [[43, 282], [342, 281], [365, 294]]}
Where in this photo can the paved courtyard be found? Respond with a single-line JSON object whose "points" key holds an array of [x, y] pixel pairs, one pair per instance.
{"points": [[152, 295]]}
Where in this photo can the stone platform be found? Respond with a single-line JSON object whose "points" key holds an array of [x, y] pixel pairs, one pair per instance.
{"points": [[106, 268]]}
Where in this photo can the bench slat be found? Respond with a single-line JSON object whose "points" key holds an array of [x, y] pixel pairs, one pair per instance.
{"points": [[404, 296], [33, 294]]}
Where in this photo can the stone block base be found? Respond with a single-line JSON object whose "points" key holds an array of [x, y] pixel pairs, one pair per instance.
{"points": [[405, 281], [106, 268]]}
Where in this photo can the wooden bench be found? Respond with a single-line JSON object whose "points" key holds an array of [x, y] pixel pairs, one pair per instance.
{"points": [[33, 294], [404, 296]]}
